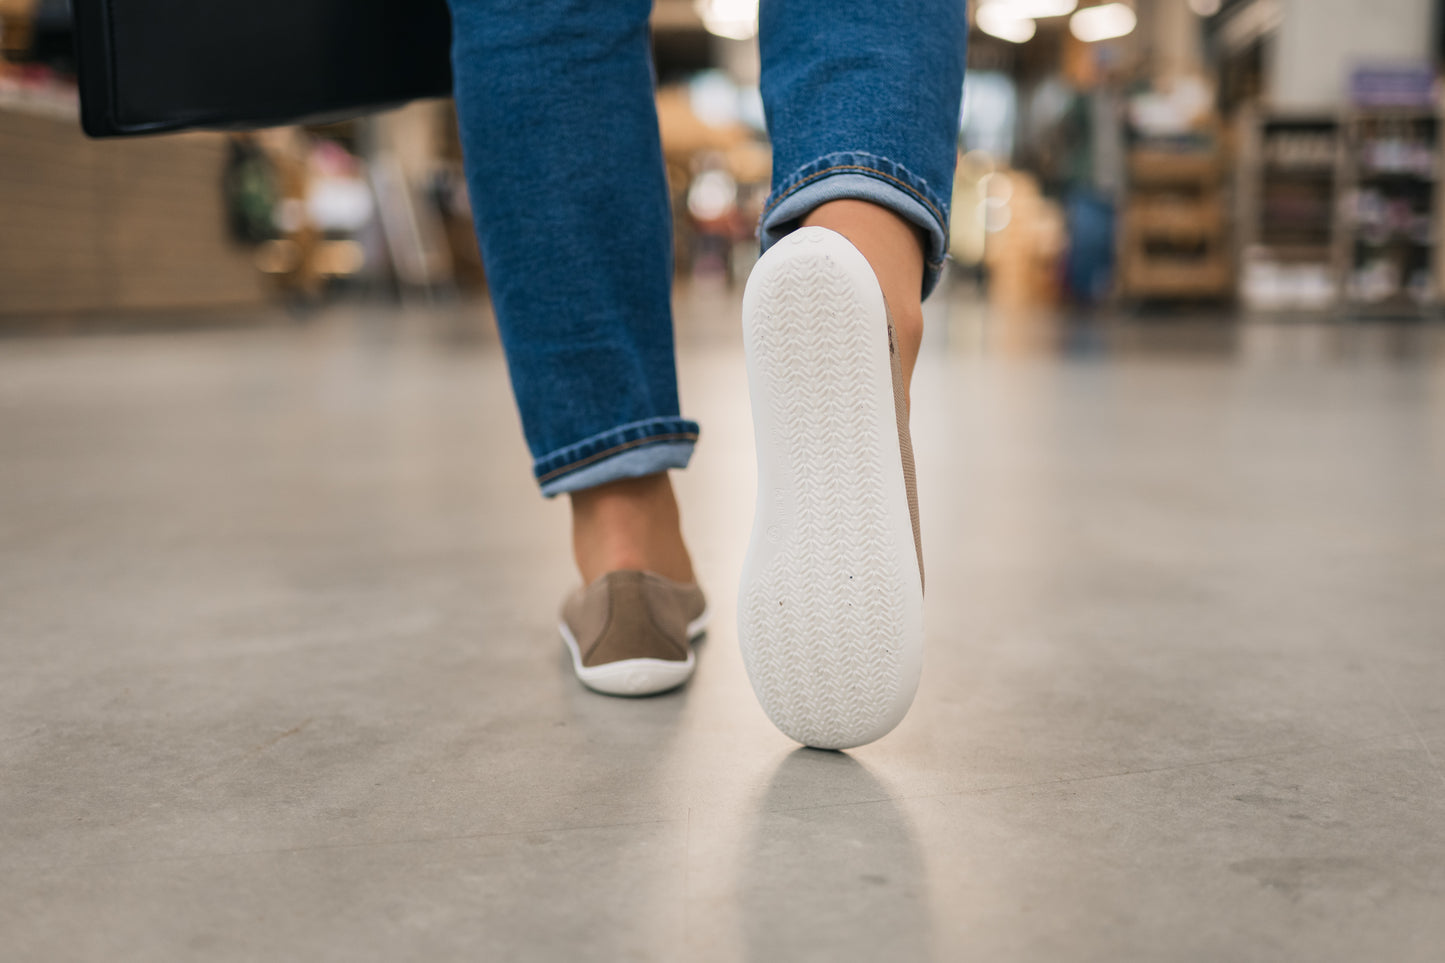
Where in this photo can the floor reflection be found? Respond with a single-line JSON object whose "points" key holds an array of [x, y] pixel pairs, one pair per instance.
{"points": [[833, 868]]}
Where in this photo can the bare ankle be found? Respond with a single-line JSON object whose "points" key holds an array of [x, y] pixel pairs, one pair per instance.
{"points": [[629, 524], [895, 249]]}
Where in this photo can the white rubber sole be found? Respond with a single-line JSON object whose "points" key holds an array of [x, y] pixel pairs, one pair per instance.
{"points": [[830, 606], [635, 677]]}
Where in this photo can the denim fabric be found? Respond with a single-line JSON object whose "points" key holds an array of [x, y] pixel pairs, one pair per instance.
{"points": [[859, 176], [564, 165], [863, 100]]}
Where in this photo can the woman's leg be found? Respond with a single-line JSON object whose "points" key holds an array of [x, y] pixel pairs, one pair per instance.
{"points": [[895, 249], [559, 125], [862, 100], [863, 103]]}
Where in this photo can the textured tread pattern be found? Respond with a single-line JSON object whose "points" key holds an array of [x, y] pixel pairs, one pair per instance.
{"points": [[820, 619]]}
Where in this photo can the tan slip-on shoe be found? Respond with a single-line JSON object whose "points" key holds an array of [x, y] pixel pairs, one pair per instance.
{"points": [[630, 633], [830, 606]]}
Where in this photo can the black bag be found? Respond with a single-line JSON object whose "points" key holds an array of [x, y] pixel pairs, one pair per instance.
{"points": [[149, 66]]}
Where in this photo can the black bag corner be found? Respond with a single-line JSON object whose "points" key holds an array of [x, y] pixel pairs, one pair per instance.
{"points": [[155, 66]]}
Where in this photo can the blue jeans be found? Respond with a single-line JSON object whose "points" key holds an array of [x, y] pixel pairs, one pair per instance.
{"points": [[565, 171]]}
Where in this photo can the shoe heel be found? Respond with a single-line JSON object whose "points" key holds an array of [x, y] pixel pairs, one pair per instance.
{"points": [[830, 605]]}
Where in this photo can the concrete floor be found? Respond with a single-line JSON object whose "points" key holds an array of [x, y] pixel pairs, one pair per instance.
{"points": [[279, 674]]}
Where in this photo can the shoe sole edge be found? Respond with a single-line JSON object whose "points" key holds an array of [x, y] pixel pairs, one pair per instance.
{"points": [[635, 677], [830, 605]]}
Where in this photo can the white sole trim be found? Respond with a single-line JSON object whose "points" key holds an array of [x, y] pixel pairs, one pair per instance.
{"points": [[635, 677], [830, 605]]}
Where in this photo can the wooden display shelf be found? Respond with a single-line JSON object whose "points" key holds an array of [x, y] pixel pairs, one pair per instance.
{"points": [[17, 19], [1175, 219], [1173, 239], [1152, 166], [1208, 277]]}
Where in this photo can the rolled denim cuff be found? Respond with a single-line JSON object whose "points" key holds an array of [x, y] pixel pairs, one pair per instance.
{"points": [[628, 451], [860, 176]]}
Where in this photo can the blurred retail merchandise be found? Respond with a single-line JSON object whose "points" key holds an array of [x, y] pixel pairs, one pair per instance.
{"points": [[279, 662], [1264, 152]]}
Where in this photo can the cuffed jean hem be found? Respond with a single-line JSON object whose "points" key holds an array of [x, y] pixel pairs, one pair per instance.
{"points": [[628, 451], [860, 176]]}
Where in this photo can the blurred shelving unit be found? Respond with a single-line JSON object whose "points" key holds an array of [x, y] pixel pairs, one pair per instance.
{"points": [[16, 21], [92, 226], [1389, 253], [97, 227], [1288, 185], [1174, 237]]}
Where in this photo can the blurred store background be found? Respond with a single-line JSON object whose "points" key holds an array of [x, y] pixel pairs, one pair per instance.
{"points": [[279, 665], [1260, 157]]}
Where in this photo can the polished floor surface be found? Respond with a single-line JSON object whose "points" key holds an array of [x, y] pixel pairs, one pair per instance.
{"points": [[280, 677]]}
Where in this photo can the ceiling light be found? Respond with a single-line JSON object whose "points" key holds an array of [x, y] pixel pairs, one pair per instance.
{"points": [[1205, 8], [999, 21], [733, 19], [1103, 22], [1033, 9]]}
